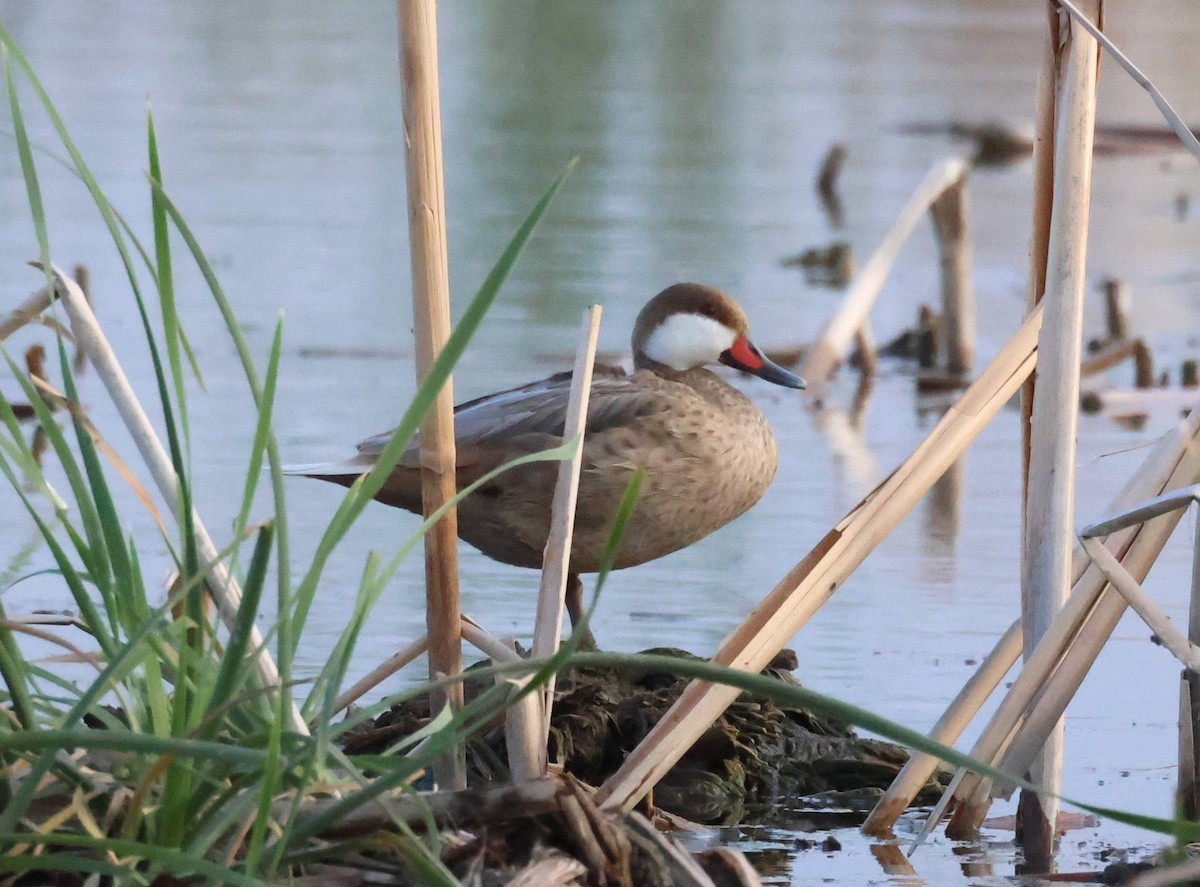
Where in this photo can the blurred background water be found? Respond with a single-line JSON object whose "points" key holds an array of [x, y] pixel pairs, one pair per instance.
{"points": [[700, 127]]}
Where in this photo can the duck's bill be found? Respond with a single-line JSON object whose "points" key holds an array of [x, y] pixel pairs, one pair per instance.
{"points": [[743, 355]]}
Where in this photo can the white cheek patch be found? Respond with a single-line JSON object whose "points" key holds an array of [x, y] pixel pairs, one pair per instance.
{"points": [[684, 341]]}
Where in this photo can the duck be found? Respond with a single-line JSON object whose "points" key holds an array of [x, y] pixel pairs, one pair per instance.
{"points": [[706, 451]]}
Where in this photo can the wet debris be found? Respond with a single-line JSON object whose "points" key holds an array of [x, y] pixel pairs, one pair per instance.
{"points": [[755, 755]]}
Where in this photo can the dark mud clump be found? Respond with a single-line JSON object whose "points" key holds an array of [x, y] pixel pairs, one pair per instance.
{"points": [[757, 758]]}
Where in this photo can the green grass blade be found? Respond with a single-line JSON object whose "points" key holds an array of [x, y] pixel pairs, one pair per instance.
{"points": [[233, 662], [166, 283], [32, 188]]}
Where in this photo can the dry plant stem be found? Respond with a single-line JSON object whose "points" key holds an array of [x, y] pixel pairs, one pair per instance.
{"points": [[1152, 614], [1049, 505], [1043, 200], [487, 643], [1178, 125], [868, 356], [523, 736], [811, 582], [1185, 779], [833, 344], [547, 629], [1106, 358], [1116, 309], [914, 774], [1189, 713], [26, 312], [224, 589], [431, 329], [381, 673], [949, 214], [1080, 627]]}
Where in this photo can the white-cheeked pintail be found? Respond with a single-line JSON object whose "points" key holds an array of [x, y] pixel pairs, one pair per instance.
{"points": [[707, 452]]}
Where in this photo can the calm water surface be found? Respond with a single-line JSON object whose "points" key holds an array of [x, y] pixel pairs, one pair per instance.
{"points": [[699, 127]]}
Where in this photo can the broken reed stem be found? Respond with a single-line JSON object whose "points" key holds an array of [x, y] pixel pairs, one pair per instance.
{"points": [[811, 582], [382, 672], [26, 312], [949, 214], [921, 765], [832, 346], [1107, 357], [1116, 309], [223, 588], [1083, 625], [523, 719], [1049, 505], [431, 329], [547, 629]]}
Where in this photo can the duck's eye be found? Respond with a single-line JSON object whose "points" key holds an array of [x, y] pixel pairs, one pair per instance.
{"points": [[708, 310]]}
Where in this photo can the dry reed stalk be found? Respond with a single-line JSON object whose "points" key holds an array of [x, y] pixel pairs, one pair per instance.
{"points": [[1153, 476], [382, 672], [523, 721], [1116, 309], [1049, 504], [833, 344], [1125, 400], [811, 582], [1187, 802], [26, 312], [1107, 357], [920, 766], [1143, 365], [1189, 705], [431, 329], [868, 354], [949, 214], [1043, 201], [222, 586], [1083, 625], [547, 629], [1136, 597]]}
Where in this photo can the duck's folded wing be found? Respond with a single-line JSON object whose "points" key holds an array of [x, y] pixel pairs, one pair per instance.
{"points": [[531, 418]]}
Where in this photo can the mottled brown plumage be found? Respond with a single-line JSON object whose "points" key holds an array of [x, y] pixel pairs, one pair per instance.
{"points": [[707, 451]]}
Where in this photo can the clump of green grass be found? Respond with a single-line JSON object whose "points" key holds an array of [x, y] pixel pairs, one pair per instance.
{"points": [[177, 757]]}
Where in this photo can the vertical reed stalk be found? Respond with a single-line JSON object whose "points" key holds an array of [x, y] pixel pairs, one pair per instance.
{"points": [[1189, 705], [547, 629], [431, 329], [949, 214], [1049, 505]]}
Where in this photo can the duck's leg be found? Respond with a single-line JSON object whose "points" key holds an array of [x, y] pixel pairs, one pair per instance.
{"points": [[574, 601]]}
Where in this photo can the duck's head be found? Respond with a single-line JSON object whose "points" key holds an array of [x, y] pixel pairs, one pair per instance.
{"points": [[690, 325]]}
